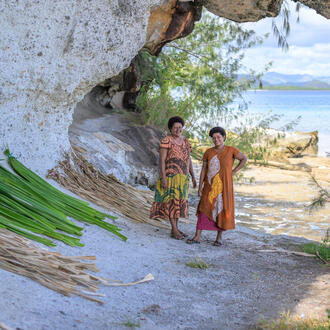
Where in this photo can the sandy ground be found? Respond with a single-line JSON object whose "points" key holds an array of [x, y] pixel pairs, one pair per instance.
{"points": [[242, 284], [276, 201]]}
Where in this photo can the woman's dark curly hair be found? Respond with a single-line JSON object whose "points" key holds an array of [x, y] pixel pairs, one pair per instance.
{"points": [[218, 130], [174, 120]]}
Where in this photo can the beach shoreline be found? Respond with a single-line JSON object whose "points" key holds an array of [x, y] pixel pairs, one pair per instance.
{"points": [[276, 200], [282, 198]]}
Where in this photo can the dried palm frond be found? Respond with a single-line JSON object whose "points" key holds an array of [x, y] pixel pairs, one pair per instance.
{"points": [[66, 275], [83, 179], [4, 327]]}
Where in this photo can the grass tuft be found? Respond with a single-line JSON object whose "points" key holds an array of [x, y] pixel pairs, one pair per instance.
{"points": [[131, 324], [197, 263], [288, 322]]}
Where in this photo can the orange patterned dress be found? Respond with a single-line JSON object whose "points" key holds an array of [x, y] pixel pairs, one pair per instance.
{"points": [[217, 201], [172, 203]]}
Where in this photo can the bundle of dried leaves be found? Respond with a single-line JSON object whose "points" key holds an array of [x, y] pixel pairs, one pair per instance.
{"points": [[83, 179]]}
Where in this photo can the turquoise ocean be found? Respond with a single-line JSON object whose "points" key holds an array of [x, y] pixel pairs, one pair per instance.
{"points": [[313, 106]]}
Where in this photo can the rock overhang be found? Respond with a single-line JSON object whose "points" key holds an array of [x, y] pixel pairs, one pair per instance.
{"points": [[53, 53]]}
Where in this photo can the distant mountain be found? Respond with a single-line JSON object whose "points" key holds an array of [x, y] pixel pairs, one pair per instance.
{"points": [[292, 81], [274, 78]]}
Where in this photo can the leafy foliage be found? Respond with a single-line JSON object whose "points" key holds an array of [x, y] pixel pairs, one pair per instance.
{"points": [[322, 199], [197, 77]]}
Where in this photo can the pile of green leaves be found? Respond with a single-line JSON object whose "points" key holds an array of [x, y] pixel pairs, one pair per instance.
{"points": [[31, 207]]}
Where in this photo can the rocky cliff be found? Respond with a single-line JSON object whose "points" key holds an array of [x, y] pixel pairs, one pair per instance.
{"points": [[54, 52]]}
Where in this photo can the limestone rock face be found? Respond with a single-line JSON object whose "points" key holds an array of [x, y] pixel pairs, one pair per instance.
{"points": [[114, 144], [321, 7], [52, 54], [169, 21], [244, 10], [254, 10]]}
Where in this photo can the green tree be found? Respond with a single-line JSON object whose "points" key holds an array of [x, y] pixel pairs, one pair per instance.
{"points": [[197, 76]]}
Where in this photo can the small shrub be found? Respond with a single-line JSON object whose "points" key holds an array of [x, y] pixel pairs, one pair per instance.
{"points": [[322, 249]]}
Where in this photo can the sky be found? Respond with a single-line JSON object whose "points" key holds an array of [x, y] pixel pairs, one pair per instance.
{"points": [[309, 45]]}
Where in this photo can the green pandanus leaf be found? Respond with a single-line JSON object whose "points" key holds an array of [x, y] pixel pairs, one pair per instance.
{"points": [[19, 220], [6, 225], [29, 202]]}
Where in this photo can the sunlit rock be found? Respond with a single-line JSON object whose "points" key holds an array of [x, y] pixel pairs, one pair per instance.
{"points": [[52, 54]]}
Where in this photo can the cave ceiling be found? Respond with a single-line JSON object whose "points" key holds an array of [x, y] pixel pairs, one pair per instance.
{"points": [[175, 19]]}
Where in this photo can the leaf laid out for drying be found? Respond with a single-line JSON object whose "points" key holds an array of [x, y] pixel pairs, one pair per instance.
{"points": [[30, 206], [107, 191], [66, 275]]}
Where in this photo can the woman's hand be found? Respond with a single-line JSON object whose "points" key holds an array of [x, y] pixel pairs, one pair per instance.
{"points": [[200, 190], [242, 160], [194, 183], [164, 183]]}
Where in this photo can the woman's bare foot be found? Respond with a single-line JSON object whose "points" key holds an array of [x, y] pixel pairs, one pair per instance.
{"points": [[192, 241], [177, 235]]}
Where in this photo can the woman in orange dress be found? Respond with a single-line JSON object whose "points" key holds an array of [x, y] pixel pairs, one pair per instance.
{"points": [[171, 192], [215, 210]]}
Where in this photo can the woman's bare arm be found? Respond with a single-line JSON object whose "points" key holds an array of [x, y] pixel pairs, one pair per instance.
{"points": [[242, 160], [162, 158], [191, 171], [201, 178]]}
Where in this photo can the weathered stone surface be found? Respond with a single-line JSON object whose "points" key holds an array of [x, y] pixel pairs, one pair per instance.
{"points": [[170, 21], [52, 54], [244, 10], [113, 142], [254, 10], [120, 91], [322, 7], [290, 144]]}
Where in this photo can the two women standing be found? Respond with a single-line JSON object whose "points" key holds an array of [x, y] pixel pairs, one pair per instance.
{"points": [[216, 207]]}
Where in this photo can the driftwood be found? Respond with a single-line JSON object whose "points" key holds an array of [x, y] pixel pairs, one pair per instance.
{"points": [[83, 179], [4, 327], [66, 275], [288, 167], [322, 259], [304, 254], [296, 150]]}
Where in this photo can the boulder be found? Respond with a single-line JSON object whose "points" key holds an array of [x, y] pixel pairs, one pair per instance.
{"points": [[114, 142], [296, 144]]}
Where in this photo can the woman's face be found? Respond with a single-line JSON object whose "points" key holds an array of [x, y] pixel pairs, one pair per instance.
{"points": [[218, 139], [176, 129]]}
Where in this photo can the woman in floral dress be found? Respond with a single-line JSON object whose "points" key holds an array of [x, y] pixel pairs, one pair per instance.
{"points": [[215, 210], [172, 187]]}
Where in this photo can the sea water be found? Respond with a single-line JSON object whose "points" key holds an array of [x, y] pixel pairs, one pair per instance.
{"points": [[312, 106]]}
